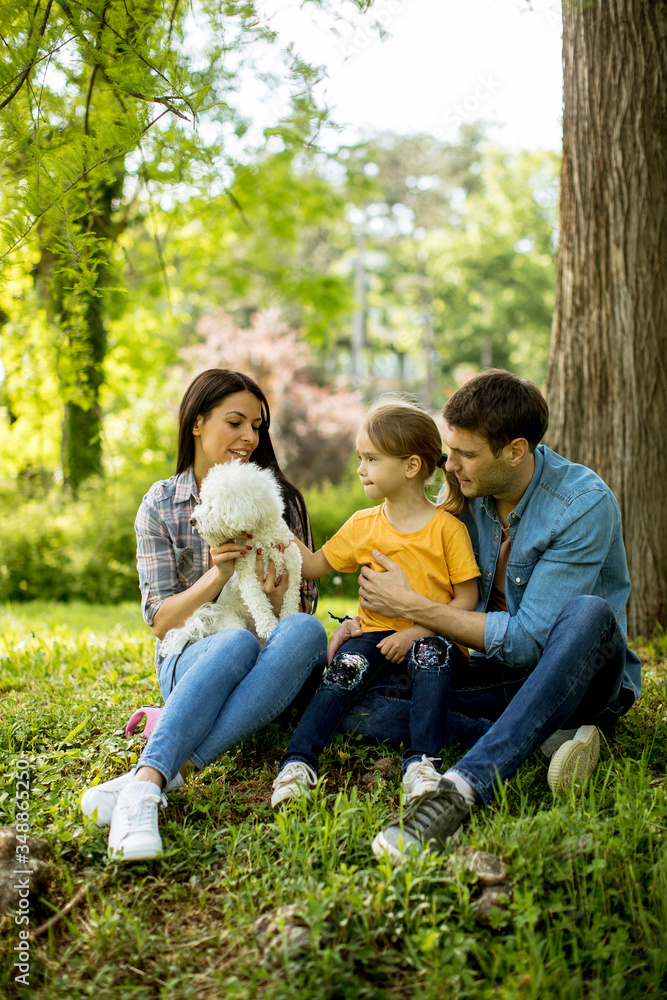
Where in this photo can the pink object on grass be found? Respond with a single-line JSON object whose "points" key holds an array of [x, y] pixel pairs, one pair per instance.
{"points": [[152, 715]]}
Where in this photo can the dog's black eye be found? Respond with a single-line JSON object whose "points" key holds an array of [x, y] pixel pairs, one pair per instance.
{"points": [[193, 522]]}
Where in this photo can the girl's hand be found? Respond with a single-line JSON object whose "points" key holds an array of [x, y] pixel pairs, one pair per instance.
{"points": [[275, 586], [396, 647], [224, 556]]}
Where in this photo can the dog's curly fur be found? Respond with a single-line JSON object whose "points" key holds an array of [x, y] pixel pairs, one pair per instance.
{"points": [[239, 499]]}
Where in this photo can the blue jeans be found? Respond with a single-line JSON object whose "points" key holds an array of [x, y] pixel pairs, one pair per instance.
{"points": [[504, 714], [357, 663], [225, 688]]}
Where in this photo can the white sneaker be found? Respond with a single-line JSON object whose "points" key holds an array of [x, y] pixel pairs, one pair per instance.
{"points": [[133, 832], [574, 762], [104, 796], [295, 779], [420, 777]]}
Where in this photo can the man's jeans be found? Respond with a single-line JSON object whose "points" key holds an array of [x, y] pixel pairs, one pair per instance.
{"points": [[429, 664], [505, 714], [225, 688]]}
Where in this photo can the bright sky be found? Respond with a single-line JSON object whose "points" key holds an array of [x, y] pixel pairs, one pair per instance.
{"points": [[443, 62]]}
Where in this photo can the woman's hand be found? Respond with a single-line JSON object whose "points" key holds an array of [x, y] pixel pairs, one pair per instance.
{"points": [[177, 608], [275, 586], [224, 556]]}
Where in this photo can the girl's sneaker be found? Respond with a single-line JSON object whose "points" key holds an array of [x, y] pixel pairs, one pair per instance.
{"points": [[133, 832], [294, 779], [421, 776]]}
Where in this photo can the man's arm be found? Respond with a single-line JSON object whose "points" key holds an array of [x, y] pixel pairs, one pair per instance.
{"points": [[395, 647], [389, 593], [568, 567]]}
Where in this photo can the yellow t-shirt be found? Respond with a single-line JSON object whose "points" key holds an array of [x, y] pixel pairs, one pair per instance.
{"points": [[434, 558]]}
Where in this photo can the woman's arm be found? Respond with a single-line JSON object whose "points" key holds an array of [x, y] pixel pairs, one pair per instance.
{"points": [[314, 564], [174, 610]]}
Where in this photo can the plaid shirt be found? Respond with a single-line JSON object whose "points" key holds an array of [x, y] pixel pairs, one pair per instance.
{"points": [[171, 554]]}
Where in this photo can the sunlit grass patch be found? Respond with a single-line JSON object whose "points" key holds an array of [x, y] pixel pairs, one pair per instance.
{"points": [[585, 917]]}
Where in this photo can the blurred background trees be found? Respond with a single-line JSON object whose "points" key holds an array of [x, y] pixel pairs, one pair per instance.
{"points": [[150, 232]]}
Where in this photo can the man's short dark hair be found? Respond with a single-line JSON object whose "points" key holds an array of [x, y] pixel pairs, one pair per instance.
{"points": [[500, 406]]}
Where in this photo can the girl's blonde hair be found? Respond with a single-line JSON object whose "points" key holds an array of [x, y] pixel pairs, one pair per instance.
{"points": [[400, 429]]}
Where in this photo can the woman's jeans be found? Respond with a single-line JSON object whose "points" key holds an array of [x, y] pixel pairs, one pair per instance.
{"points": [[504, 714], [357, 663], [225, 688]]}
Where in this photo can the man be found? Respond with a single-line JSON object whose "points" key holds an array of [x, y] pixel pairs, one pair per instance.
{"points": [[552, 662]]}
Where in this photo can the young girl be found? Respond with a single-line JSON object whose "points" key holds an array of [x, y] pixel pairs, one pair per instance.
{"points": [[398, 447]]}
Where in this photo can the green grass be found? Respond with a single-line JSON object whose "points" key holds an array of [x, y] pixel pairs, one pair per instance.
{"points": [[588, 917]]}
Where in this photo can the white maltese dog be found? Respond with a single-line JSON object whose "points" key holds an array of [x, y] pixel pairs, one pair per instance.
{"points": [[239, 499]]}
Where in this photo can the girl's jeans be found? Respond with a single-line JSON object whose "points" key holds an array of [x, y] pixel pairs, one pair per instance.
{"points": [[225, 688], [504, 713], [354, 667]]}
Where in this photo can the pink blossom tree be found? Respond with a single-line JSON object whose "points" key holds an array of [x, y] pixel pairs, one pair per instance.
{"points": [[313, 421]]}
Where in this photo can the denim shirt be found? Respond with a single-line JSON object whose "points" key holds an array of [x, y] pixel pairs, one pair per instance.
{"points": [[566, 541]]}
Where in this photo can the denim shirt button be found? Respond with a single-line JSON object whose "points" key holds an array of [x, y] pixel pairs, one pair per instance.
{"points": [[488, 574], [518, 579]]}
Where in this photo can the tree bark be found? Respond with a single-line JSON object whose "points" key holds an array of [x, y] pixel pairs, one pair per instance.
{"points": [[86, 335], [607, 377]]}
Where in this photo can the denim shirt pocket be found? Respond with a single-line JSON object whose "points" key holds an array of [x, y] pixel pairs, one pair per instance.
{"points": [[518, 575], [185, 565]]}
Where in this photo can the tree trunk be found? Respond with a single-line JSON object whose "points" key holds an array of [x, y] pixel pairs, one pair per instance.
{"points": [[86, 337], [607, 378], [82, 425]]}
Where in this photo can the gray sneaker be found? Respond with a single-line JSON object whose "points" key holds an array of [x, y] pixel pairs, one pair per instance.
{"points": [[429, 821]]}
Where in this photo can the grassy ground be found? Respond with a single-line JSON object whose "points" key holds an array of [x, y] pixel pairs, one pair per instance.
{"points": [[588, 910]]}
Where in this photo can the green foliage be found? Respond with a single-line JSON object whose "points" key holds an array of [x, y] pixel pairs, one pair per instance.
{"points": [[70, 550], [104, 106], [460, 253], [589, 875], [86, 549]]}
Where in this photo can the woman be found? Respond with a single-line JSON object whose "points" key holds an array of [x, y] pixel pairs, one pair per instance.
{"points": [[224, 687]]}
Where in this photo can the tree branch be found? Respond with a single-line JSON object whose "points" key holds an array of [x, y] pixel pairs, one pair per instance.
{"points": [[84, 173], [61, 913], [89, 94], [171, 20], [47, 55], [151, 67], [24, 75]]}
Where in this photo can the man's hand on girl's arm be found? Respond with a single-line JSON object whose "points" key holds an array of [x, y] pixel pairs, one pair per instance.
{"points": [[389, 593]]}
